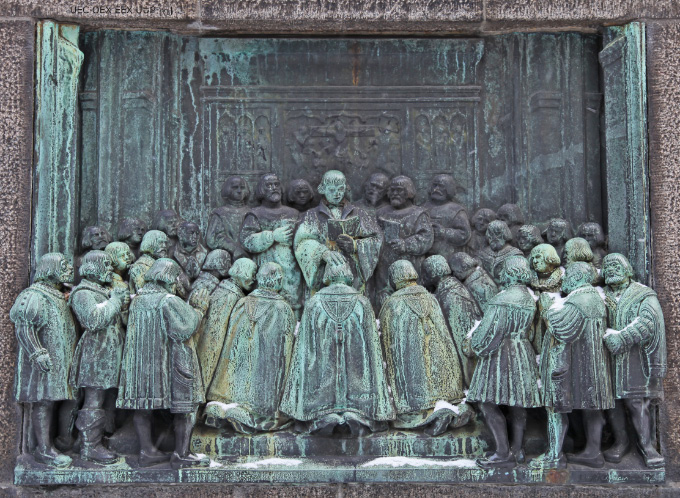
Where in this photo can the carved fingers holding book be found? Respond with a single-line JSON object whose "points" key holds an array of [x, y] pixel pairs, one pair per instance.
{"points": [[346, 243]]}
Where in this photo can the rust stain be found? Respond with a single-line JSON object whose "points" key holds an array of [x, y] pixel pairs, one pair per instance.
{"points": [[355, 49]]}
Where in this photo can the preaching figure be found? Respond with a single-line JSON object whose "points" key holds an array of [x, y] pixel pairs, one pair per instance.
{"points": [[333, 231], [422, 364], [225, 222], [336, 376], [249, 380]]}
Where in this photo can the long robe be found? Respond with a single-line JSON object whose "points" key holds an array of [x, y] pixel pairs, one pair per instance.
{"points": [[43, 320], [251, 373], [506, 372], [224, 227], [422, 366], [137, 272], [575, 365], [455, 225], [214, 329], [493, 261], [148, 373], [257, 237], [461, 312], [481, 286], [96, 362], [311, 242], [337, 364], [415, 229], [640, 364]]}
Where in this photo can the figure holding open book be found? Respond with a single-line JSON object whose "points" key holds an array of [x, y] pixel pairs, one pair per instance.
{"points": [[333, 229]]}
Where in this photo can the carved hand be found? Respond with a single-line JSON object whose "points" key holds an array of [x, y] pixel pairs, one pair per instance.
{"points": [[200, 300], [346, 243], [122, 294], [398, 245], [614, 343], [333, 258], [283, 235], [44, 362]]}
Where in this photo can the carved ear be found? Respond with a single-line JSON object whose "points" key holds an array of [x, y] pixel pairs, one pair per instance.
{"points": [[321, 189]]}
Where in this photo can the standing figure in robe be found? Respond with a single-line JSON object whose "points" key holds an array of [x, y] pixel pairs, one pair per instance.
{"points": [[167, 221], [637, 343], [578, 249], [528, 237], [547, 278], [423, 371], [575, 367], [160, 369], [506, 372], [96, 363], [190, 253], [493, 257], [449, 219], [267, 233], [408, 233], [154, 246], [335, 232], [459, 307], [480, 222], [46, 333], [215, 268], [512, 215], [131, 231], [375, 193], [222, 301], [593, 233], [336, 376], [300, 195], [557, 233], [224, 225], [250, 377], [475, 278]]}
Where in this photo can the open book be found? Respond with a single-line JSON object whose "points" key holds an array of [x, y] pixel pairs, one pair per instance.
{"points": [[349, 226]]}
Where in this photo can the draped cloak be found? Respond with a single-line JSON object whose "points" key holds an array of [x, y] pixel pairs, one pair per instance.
{"points": [[493, 261], [223, 230], [461, 311], [43, 320], [640, 365], [455, 228], [253, 366], [337, 364], [137, 272], [575, 365], [422, 363], [506, 372], [311, 242], [481, 286], [96, 362]]}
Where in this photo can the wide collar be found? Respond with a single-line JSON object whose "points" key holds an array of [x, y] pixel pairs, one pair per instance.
{"points": [[347, 208]]}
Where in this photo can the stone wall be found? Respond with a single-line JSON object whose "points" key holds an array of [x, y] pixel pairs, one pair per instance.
{"points": [[304, 17]]}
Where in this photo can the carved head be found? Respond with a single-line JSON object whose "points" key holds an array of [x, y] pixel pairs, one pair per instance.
{"points": [[577, 249], [402, 273], [462, 265], [616, 269], [131, 231], [121, 256], [434, 269], [155, 244], [593, 233], [338, 274], [402, 191], [375, 188], [578, 274], [235, 190], [442, 188], [558, 231], [481, 219], [269, 188], [544, 258], [97, 266], [515, 271], [333, 187], [218, 261], [165, 273], [167, 221], [95, 237], [511, 214], [270, 277], [300, 193], [53, 267], [243, 273], [498, 234], [189, 235], [528, 237]]}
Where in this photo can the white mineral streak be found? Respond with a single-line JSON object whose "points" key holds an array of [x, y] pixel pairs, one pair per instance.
{"points": [[538, 383], [288, 462], [533, 294], [558, 304], [611, 332], [600, 291], [474, 327], [297, 329], [419, 462], [214, 464], [101, 305], [223, 406], [445, 405], [538, 359]]}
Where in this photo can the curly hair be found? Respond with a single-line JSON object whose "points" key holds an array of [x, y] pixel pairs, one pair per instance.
{"points": [[94, 264], [579, 249], [516, 270], [549, 253]]}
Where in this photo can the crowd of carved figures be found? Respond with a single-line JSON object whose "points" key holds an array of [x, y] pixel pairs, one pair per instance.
{"points": [[329, 317]]}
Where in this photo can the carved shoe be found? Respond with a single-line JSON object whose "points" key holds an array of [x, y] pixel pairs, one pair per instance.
{"points": [[594, 461], [148, 459], [497, 462], [616, 453], [98, 454], [191, 460], [652, 458], [52, 457], [544, 462]]}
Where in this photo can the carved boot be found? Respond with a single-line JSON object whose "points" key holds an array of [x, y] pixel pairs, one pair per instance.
{"points": [[45, 451], [90, 423], [621, 446], [182, 457]]}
